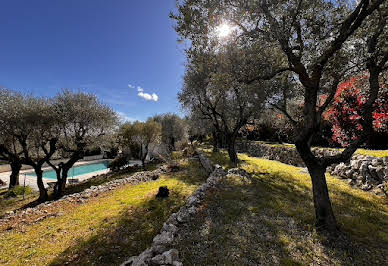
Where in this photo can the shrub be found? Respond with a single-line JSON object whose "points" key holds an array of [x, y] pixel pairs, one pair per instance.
{"points": [[117, 163], [18, 190], [346, 112]]}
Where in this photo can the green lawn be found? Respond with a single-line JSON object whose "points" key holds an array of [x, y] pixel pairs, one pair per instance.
{"points": [[268, 219], [106, 229]]}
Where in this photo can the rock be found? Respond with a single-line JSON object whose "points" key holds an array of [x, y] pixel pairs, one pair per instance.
{"points": [[364, 170], [171, 256], [164, 238], [355, 164], [163, 192], [380, 172], [170, 228], [182, 217], [349, 174], [193, 200], [373, 171], [158, 260]]}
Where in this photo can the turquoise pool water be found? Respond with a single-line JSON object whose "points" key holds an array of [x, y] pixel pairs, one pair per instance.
{"points": [[76, 171]]}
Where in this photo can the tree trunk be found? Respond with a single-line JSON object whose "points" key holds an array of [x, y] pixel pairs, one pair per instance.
{"points": [[324, 215], [62, 183], [42, 190], [58, 183], [14, 177], [215, 142], [143, 163], [172, 144], [231, 140]]}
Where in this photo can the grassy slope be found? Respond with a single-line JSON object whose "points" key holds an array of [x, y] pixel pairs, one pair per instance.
{"points": [[11, 204], [106, 229], [268, 219]]}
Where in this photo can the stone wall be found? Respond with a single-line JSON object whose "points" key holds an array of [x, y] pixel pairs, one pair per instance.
{"points": [[365, 172], [161, 252], [41, 213]]}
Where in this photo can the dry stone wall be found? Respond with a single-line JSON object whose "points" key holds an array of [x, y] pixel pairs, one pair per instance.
{"points": [[365, 172], [83, 196], [161, 251]]}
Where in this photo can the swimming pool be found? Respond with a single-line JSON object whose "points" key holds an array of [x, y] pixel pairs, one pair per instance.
{"points": [[76, 170]]}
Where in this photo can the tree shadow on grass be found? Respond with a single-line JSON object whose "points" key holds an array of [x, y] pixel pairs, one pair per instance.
{"points": [[124, 236], [268, 221], [133, 230]]}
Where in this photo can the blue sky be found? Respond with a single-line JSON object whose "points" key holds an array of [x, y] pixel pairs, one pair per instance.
{"points": [[97, 46]]}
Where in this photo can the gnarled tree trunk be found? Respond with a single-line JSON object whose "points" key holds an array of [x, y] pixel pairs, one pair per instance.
{"points": [[324, 215], [231, 141], [43, 196], [14, 177]]}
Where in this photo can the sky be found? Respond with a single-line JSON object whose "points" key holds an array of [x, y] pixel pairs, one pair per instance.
{"points": [[124, 51]]}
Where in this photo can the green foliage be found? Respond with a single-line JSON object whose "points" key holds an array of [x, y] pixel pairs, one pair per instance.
{"points": [[138, 136], [19, 190], [117, 163], [174, 130]]}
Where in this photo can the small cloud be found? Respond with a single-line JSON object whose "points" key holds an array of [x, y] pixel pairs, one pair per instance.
{"points": [[145, 96], [124, 118]]}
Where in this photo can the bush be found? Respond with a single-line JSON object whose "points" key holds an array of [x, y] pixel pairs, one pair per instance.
{"points": [[117, 163], [18, 190]]}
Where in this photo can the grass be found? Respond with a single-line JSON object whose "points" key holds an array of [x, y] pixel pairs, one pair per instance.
{"points": [[15, 203], [104, 231], [374, 153], [268, 219]]}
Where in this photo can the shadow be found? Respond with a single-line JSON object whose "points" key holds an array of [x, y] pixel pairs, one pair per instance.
{"points": [[192, 173], [260, 221], [119, 238], [132, 231]]}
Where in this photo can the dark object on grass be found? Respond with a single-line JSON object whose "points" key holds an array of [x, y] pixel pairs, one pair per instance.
{"points": [[163, 192], [155, 177]]}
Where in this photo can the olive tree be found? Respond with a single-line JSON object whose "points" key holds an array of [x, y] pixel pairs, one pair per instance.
{"points": [[10, 149], [139, 136], [82, 121], [214, 86], [321, 43], [174, 129]]}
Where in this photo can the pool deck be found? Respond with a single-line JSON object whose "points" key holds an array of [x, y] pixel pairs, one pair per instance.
{"points": [[31, 180]]}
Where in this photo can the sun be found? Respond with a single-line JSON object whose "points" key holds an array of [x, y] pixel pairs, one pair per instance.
{"points": [[223, 30]]}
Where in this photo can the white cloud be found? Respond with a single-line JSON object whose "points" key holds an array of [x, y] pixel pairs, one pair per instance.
{"points": [[124, 118], [147, 96]]}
